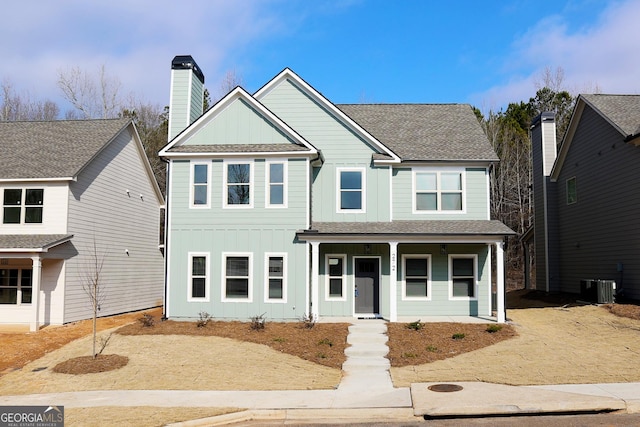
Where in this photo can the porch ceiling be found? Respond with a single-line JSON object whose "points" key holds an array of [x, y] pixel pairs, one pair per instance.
{"points": [[31, 242], [442, 230]]}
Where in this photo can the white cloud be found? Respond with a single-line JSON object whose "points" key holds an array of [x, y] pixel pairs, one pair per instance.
{"points": [[603, 55]]}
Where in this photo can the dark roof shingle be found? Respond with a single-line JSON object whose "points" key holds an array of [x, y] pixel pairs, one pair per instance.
{"points": [[32, 241], [425, 132], [416, 228], [622, 110], [52, 149]]}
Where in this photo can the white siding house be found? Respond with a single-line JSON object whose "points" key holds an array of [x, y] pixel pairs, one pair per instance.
{"points": [[76, 192]]}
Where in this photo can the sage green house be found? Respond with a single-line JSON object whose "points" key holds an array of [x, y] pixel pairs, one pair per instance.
{"points": [[284, 204]]}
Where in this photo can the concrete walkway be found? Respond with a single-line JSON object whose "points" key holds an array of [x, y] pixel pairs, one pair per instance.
{"points": [[365, 394]]}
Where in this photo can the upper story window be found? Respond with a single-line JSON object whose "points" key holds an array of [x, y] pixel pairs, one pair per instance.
{"points": [[200, 179], [438, 190], [572, 191], [22, 206], [238, 179], [351, 190], [276, 183]]}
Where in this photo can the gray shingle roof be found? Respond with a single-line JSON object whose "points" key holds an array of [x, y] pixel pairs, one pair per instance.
{"points": [[424, 131], [52, 149], [622, 110], [238, 148], [32, 241], [414, 228]]}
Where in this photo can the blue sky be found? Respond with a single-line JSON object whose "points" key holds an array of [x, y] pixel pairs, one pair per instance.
{"points": [[486, 53]]}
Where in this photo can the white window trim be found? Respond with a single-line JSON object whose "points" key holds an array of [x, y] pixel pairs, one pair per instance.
{"points": [[268, 255], [439, 171], [19, 286], [475, 274], [404, 277], [23, 206], [285, 183], [363, 172], [192, 185], [327, 288], [223, 280], [225, 187], [190, 257]]}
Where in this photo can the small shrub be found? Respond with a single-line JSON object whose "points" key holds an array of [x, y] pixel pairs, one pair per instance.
{"points": [[203, 319], [321, 356], [279, 339], [258, 322], [325, 341], [416, 326], [458, 336], [409, 355], [493, 328], [308, 320], [432, 348], [146, 320]]}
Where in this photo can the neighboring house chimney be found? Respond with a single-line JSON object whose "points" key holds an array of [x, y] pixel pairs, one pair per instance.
{"points": [[544, 151], [187, 94]]}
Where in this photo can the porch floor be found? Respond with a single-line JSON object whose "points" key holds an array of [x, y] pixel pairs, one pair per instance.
{"points": [[407, 319]]}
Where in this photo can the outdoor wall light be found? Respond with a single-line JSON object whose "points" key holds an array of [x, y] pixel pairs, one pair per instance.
{"points": [[443, 249], [367, 249]]}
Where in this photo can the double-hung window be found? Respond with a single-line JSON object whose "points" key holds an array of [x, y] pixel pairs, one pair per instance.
{"points": [[438, 190], [276, 183], [276, 278], [15, 286], [200, 179], [22, 206], [351, 191], [417, 283], [198, 277], [238, 178], [463, 274], [335, 269], [236, 277]]}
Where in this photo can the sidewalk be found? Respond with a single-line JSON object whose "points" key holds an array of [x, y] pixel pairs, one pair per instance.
{"points": [[365, 394]]}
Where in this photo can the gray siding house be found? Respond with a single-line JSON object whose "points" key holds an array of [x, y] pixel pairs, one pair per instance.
{"points": [[284, 204], [587, 213], [73, 193]]}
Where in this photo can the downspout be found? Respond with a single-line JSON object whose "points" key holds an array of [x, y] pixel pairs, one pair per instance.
{"points": [[166, 243]]}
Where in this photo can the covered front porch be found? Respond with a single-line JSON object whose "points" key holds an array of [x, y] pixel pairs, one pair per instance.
{"points": [[28, 279], [406, 269]]}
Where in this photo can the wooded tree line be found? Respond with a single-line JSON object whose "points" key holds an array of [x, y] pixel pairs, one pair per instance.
{"points": [[99, 95]]}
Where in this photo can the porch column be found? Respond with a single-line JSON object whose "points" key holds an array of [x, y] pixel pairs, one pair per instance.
{"points": [[500, 296], [393, 281], [35, 293], [315, 274]]}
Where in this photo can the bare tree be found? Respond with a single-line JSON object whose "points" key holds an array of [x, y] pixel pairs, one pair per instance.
{"points": [[93, 286], [230, 81], [93, 97], [14, 106]]}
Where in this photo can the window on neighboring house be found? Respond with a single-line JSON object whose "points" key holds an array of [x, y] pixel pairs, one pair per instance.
{"points": [[22, 206], [416, 277], [335, 272], [351, 194], [572, 191], [462, 269], [238, 177], [438, 191], [276, 278], [237, 277], [276, 183], [15, 286], [200, 180], [198, 276]]}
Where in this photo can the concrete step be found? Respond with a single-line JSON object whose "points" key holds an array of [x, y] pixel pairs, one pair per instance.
{"points": [[367, 352], [367, 363], [354, 339]]}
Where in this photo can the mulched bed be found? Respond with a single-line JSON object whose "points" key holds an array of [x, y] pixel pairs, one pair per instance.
{"points": [[324, 343], [89, 365], [436, 341]]}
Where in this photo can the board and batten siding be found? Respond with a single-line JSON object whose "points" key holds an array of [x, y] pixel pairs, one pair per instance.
{"points": [[217, 230], [114, 215], [601, 229], [340, 147], [54, 209], [475, 194]]}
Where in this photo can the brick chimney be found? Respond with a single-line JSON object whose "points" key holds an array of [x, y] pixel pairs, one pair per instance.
{"points": [[544, 152], [187, 94]]}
